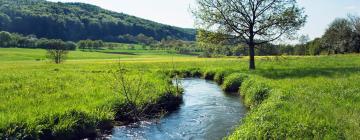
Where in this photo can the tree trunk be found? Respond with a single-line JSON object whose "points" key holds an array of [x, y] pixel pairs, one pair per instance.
{"points": [[252, 56]]}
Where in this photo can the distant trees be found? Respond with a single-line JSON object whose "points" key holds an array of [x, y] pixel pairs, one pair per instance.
{"points": [[213, 50], [355, 25], [57, 50], [338, 37], [342, 36], [5, 39], [254, 22], [314, 47], [138, 39], [91, 44], [13, 40]]}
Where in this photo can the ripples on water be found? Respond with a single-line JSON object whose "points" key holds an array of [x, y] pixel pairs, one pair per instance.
{"points": [[207, 113]]}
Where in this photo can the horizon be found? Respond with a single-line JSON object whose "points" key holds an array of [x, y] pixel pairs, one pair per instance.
{"points": [[177, 13]]}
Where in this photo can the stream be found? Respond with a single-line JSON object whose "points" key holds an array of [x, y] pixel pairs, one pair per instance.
{"points": [[207, 113]]}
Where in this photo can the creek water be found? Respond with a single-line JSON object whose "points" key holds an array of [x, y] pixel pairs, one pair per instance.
{"points": [[207, 113]]}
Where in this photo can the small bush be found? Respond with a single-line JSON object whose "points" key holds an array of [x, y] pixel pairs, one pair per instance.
{"points": [[233, 82], [255, 92]]}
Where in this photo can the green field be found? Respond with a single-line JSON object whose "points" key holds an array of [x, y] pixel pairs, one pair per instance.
{"points": [[17, 54], [289, 97]]}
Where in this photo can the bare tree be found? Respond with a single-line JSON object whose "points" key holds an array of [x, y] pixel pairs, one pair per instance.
{"points": [[252, 21]]}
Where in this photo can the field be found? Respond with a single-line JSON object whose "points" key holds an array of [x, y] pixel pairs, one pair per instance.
{"points": [[289, 97]]}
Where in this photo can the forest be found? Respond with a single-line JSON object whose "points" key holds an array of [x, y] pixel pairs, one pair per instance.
{"points": [[78, 21]]}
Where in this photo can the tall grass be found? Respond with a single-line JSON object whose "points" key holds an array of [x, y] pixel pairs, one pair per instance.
{"points": [[58, 102]]}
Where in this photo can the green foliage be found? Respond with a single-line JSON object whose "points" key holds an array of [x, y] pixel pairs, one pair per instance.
{"points": [[5, 39], [314, 47], [90, 44], [233, 82], [338, 37], [11, 40]]}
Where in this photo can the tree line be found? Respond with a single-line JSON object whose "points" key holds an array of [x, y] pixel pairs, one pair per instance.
{"points": [[13, 40], [341, 37]]}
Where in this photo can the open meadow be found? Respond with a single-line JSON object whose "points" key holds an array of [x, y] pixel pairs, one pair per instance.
{"points": [[288, 96]]}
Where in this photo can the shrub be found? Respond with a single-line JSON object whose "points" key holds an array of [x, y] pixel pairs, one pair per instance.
{"points": [[233, 82]]}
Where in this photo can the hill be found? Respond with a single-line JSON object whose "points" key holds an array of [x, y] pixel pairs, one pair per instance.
{"points": [[78, 21]]}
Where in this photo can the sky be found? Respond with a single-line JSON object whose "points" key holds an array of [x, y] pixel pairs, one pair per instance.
{"points": [[177, 12]]}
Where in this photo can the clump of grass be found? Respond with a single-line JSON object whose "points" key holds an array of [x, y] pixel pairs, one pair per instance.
{"points": [[209, 75], [183, 73], [255, 91], [195, 72], [71, 124], [219, 76], [233, 82]]}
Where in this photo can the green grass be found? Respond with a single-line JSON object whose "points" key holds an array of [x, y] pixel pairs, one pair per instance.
{"points": [[44, 100], [290, 97], [233, 82], [307, 108], [33, 98]]}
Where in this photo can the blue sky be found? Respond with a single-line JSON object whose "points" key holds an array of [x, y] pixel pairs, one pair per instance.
{"points": [[176, 12]]}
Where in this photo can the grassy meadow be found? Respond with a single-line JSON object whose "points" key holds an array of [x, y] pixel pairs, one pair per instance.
{"points": [[289, 96]]}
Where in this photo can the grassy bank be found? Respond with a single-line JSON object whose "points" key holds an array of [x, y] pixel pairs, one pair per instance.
{"points": [[307, 98], [289, 97], [71, 101], [309, 107]]}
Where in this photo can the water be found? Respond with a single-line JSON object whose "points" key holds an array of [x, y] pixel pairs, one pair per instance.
{"points": [[207, 113]]}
